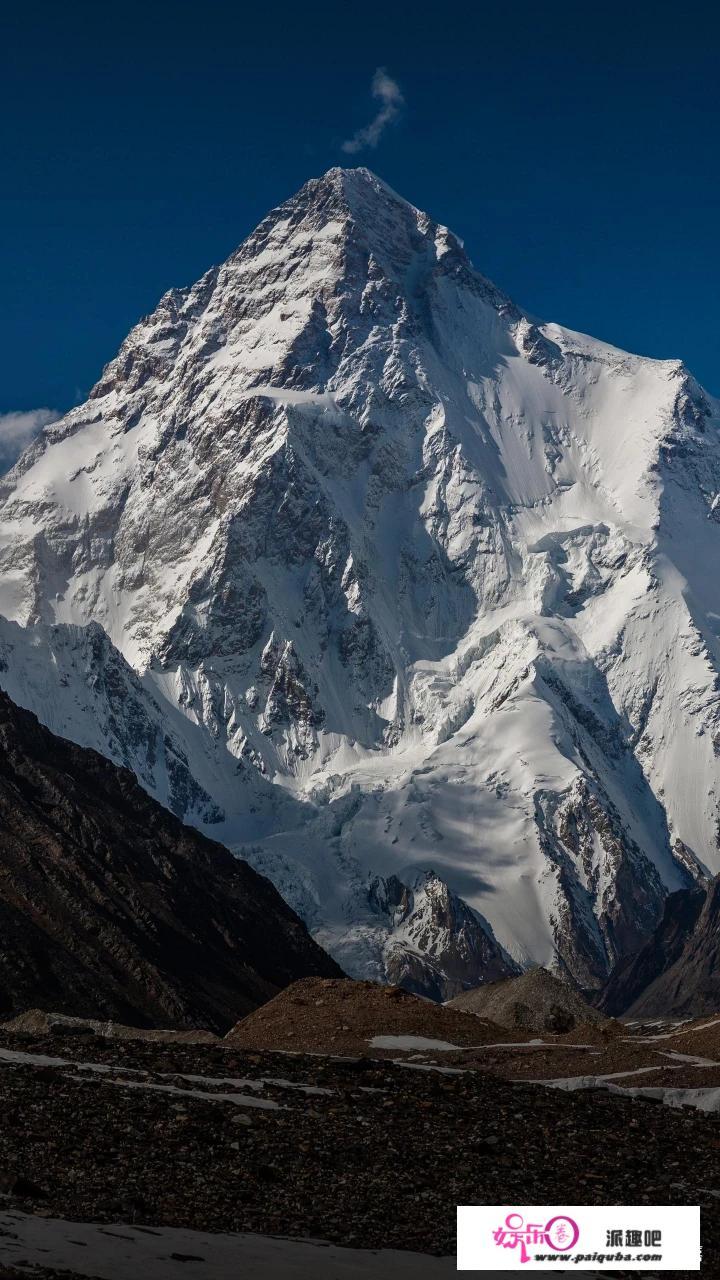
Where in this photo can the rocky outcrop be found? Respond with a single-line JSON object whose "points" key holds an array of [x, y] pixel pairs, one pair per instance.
{"points": [[434, 943], [110, 908], [534, 1001]]}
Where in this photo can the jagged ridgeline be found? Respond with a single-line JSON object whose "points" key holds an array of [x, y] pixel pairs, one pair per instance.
{"points": [[371, 575]]}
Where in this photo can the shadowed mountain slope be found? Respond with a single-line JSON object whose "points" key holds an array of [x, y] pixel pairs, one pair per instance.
{"points": [[677, 972], [110, 907]]}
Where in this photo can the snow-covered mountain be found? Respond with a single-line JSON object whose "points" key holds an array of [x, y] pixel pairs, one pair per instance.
{"points": [[370, 574]]}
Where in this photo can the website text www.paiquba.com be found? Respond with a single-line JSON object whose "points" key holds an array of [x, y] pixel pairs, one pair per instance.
{"points": [[598, 1257]]}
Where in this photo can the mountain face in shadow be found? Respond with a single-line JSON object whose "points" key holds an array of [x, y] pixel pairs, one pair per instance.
{"points": [[677, 972], [111, 908]]}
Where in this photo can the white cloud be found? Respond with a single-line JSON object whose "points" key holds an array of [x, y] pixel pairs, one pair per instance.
{"points": [[389, 95], [17, 430]]}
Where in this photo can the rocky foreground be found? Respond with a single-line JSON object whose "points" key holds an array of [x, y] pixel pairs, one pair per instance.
{"points": [[372, 1151]]}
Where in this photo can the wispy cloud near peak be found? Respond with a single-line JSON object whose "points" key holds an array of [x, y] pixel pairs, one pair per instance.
{"points": [[388, 93], [18, 429]]}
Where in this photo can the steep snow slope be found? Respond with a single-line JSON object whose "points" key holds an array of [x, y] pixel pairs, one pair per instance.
{"points": [[396, 579]]}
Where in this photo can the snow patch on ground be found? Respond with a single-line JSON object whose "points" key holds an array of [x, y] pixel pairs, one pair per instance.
{"points": [[703, 1099], [411, 1043], [122, 1252], [238, 1099]]}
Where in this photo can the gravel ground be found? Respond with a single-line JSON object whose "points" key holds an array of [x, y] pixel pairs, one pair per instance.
{"points": [[364, 1153]]}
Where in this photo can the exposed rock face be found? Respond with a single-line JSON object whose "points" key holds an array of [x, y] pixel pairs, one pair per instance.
{"points": [[431, 941], [535, 1001], [111, 908], [367, 573], [677, 972]]}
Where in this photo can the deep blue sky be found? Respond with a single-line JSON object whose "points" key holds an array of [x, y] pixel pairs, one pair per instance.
{"points": [[574, 148]]}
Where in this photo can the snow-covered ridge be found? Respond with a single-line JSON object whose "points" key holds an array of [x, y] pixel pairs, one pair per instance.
{"points": [[400, 579]]}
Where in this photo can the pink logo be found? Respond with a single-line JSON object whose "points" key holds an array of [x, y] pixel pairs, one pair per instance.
{"points": [[560, 1233]]}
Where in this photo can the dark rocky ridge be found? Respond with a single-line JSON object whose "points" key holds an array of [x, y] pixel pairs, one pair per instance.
{"points": [[110, 907], [677, 971]]}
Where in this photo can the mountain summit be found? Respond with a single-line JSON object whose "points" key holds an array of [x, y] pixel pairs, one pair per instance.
{"points": [[408, 597]]}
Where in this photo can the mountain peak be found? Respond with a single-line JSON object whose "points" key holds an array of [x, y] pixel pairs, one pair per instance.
{"points": [[398, 577], [360, 181], [342, 175], [345, 181], [356, 206]]}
